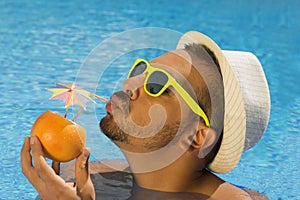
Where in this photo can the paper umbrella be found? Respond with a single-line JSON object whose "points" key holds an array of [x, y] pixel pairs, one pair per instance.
{"points": [[71, 94]]}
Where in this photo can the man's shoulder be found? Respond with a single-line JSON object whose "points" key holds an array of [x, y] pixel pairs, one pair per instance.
{"points": [[229, 191], [256, 195]]}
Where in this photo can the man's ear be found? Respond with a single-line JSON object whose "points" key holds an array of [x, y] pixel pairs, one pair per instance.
{"points": [[204, 138]]}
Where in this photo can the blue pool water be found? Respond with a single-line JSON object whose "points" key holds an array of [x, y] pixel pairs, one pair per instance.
{"points": [[42, 43]]}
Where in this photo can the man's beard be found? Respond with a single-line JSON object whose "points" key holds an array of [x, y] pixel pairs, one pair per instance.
{"points": [[109, 126], [111, 129], [169, 133]]}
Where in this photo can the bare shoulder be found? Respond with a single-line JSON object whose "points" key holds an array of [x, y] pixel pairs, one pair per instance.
{"points": [[229, 191], [256, 195]]}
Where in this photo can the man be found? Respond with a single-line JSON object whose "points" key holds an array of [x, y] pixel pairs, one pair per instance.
{"points": [[180, 117]]}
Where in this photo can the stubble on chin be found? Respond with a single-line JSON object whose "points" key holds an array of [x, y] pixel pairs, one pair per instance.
{"points": [[111, 129]]}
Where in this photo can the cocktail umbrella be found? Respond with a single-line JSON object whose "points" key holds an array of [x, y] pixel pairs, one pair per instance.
{"points": [[72, 94]]}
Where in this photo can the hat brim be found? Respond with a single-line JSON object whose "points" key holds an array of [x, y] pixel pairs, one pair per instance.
{"points": [[234, 131]]}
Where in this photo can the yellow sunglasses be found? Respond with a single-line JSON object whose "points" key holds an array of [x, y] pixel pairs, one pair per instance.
{"points": [[158, 80]]}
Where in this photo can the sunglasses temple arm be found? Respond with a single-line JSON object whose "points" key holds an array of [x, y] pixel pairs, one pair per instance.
{"points": [[192, 104]]}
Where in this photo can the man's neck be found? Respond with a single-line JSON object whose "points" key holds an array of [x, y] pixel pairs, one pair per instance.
{"points": [[183, 175]]}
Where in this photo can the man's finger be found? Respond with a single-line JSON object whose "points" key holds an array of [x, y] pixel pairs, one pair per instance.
{"points": [[26, 159], [85, 188], [43, 169], [82, 168], [27, 168]]}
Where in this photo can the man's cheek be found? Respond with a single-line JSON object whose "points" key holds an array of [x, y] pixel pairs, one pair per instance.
{"points": [[140, 115]]}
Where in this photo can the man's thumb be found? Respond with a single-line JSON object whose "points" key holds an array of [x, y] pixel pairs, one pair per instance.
{"points": [[82, 168]]}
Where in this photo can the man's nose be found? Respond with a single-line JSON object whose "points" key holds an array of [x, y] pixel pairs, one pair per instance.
{"points": [[132, 85]]}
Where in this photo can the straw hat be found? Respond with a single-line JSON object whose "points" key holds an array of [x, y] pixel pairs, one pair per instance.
{"points": [[247, 101]]}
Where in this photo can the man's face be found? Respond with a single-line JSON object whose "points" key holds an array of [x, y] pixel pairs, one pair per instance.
{"points": [[138, 122]]}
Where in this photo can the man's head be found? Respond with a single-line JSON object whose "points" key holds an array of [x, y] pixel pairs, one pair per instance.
{"points": [[138, 122]]}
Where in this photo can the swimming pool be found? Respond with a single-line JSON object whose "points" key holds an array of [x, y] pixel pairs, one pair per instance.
{"points": [[42, 43]]}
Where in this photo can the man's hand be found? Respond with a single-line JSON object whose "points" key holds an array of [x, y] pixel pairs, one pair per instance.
{"points": [[47, 181]]}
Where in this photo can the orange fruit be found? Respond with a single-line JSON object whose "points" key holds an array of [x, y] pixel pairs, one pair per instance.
{"points": [[62, 139]]}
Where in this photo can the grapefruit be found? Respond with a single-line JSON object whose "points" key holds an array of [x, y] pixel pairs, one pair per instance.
{"points": [[62, 139]]}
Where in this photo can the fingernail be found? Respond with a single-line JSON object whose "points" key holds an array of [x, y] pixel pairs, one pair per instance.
{"points": [[86, 153], [32, 140]]}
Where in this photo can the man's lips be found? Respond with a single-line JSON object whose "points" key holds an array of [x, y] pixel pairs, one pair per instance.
{"points": [[113, 104], [108, 107], [118, 101]]}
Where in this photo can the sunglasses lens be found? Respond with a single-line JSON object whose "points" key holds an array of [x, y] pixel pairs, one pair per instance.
{"points": [[138, 69], [156, 82]]}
